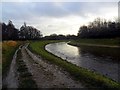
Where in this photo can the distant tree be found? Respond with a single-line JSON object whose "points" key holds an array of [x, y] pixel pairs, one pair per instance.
{"points": [[10, 29], [4, 31], [83, 31], [0, 31], [29, 33], [100, 28], [59, 37], [53, 37], [71, 36], [9, 32]]}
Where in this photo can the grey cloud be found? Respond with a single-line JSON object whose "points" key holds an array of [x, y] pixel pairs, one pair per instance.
{"points": [[31, 12], [50, 9]]}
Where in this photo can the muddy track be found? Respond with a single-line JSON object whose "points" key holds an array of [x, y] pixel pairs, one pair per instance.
{"points": [[45, 74]]}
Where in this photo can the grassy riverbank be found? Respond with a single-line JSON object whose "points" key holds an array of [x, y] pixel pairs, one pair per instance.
{"points": [[81, 74], [96, 42], [8, 50]]}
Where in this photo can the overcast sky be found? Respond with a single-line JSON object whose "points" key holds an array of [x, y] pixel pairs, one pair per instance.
{"points": [[57, 17]]}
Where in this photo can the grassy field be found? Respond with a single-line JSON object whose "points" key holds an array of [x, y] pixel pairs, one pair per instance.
{"points": [[107, 42], [83, 75], [8, 50]]}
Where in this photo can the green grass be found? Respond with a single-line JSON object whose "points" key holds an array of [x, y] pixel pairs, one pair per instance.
{"points": [[81, 74], [110, 42]]}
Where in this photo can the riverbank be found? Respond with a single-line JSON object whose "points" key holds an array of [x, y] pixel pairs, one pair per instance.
{"points": [[91, 79], [49, 75], [110, 43]]}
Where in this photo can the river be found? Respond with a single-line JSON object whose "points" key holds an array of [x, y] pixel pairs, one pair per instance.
{"points": [[105, 61]]}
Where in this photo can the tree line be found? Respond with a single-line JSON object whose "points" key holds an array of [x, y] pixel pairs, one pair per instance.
{"points": [[100, 28], [9, 32], [59, 37]]}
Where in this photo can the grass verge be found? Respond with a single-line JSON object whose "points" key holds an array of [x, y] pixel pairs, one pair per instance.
{"points": [[8, 50], [81, 74], [96, 42]]}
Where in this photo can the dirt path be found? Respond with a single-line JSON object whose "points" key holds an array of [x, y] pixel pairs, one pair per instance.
{"points": [[47, 75]]}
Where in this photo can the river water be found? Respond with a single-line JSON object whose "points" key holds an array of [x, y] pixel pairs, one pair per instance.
{"points": [[105, 61]]}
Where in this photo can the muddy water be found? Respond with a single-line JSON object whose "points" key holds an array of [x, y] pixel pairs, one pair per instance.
{"points": [[105, 61]]}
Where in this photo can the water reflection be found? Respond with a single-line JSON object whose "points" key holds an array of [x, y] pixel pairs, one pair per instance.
{"points": [[103, 60]]}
